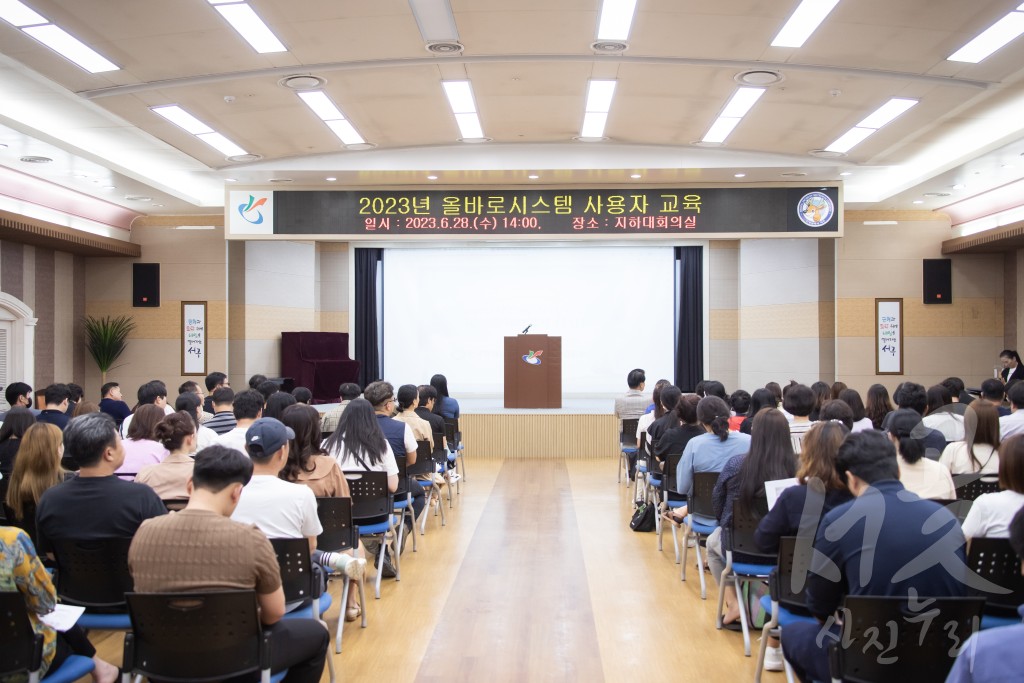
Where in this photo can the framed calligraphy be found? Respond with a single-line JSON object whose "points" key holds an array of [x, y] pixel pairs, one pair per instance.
{"points": [[193, 338], [888, 336]]}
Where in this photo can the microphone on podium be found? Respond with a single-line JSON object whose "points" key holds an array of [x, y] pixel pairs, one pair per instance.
{"points": [[527, 329]]}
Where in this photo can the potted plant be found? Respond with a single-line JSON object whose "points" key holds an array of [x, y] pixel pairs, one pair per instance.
{"points": [[106, 339]]}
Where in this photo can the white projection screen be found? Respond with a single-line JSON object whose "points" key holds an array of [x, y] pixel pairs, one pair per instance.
{"points": [[448, 311]]}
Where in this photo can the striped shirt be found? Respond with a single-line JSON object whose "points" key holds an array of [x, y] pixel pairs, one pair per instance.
{"points": [[222, 423]]}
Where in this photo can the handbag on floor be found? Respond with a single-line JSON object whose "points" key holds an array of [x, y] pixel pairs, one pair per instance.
{"points": [[643, 517]]}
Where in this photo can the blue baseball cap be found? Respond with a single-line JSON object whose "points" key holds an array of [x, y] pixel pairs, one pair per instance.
{"points": [[269, 434]]}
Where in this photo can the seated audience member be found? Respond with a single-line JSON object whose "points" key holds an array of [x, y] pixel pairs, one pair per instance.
{"points": [[256, 380], [776, 390], [448, 407], [190, 404], [358, 444], [57, 397], [838, 411], [957, 391], [214, 381], [861, 421], [381, 396], [223, 420], [918, 474], [902, 529], [152, 392], [276, 404], [799, 401], [75, 394], [630, 406], [993, 392], [673, 442], [268, 388], [18, 395], [913, 396], [21, 571], [177, 434], [669, 398], [112, 402], [878, 405], [939, 414], [708, 452], [979, 451], [408, 398], [820, 489], [742, 482], [655, 413], [836, 389], [302, 395], [141, 447], [83, 407], [991, 513], [425, 409], [346, 392], [201, 549], [36, 470], [1012, 368], [18, 420], [1014, 422], [191, 387], [994, 655], [822, 392], [713, 387], [759, 400], [739, 401], [247, 407], [95, 504]]}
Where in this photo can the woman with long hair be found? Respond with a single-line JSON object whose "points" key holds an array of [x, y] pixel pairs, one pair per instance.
{"points": [[16, 422], [177, 434], [978, 453], [140, 446], [878, 405], [861, 421], [36, 469], [278, 402], [359, 444], [920, 475], [938, 414], [822, 393], [85, 407], [446, 406], [656, 411], [759, 400], [673, 441], [991, 513], [741, 486], [837, 388]]}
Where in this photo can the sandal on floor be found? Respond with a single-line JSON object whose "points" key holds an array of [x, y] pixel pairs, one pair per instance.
{"points": [[353, 613]]}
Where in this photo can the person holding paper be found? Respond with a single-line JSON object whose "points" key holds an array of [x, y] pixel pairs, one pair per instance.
{"points": [[22, 571]]}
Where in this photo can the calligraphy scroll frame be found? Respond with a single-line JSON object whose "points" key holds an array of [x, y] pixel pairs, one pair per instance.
{"points": [[888, 307], [196, 309]]}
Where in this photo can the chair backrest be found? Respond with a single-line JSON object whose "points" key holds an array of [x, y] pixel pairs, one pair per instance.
{"points": [[296, 568], [175, 504], [973, 488], [959, 508], [994, 559], [424, 462], [744, 524], [452, 433], [17, 636], [403, 477], [671, 465], [782, 579], [642, 447], [700, 502], [370, 495], [93, 573], [194, 636], [440, 452], [627, 435], [889, 639], [340, 533]]}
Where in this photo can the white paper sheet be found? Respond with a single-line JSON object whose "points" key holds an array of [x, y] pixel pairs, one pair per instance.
{"points": [[773, 489], [63, 617]]}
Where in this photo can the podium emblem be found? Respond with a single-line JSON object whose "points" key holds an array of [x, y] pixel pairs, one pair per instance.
{"points": [[533, 357]]}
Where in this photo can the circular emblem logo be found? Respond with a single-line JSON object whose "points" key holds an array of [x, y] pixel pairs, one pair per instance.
{"points": [[815, 209]]}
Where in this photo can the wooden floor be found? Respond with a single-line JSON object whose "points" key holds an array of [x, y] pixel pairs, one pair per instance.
{"points": [[536, 577]]}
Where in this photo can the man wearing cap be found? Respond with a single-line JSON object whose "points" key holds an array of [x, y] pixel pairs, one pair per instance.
{"points": [[282, 509]]}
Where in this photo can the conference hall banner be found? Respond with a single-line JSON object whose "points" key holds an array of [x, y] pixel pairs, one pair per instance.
{"points": [[617, 213]]}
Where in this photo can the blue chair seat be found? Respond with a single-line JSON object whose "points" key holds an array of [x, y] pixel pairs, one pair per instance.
{"points": [[988, 621], [655, 482], [629, 449], [786, 617], [105, 622], [401, 504], [749, 569], [379, 527], [307, 611], [73, 668], [278, 677], [672, 504], [703, 529]]}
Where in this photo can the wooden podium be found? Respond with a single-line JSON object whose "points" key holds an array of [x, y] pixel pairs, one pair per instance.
{"points": [[533, 371]]}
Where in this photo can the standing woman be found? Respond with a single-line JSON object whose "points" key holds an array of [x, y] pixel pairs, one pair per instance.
{"points": [[878, 405], [1012, 368], [36, 469], [446, 406], [978, 453]]}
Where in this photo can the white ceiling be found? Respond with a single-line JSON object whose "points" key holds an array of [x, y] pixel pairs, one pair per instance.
{"points": [[529, 62]]}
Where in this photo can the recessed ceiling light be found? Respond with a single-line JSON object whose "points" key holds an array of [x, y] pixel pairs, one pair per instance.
{"points": [[826, 154], [991, 39], [221, 144], [36, 160], [331, 179], [182, 119], [231, 180], [616, 18], [71, 48], [733, 112], [475, 141], [14, 12], [109, 187], [359, 147], [936, 194], [302, 82], [845, 173], [959, 186], [243, 158], [705, 143], [802, 23], [870, 124], [1006, 166], [158, 206], [739, 175], [533, 177], [138, 198], [586, 138], [636, 176], [249, 25], [281, 180], [431, 177], [918, 201], [793, 174]]}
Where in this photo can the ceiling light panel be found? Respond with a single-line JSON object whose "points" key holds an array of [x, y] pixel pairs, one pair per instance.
{"points": [[66, 45], [249, 25], [599, 96], [803, 22], [720, 129], [14, 12], [435, 20], [345, 131], [221, 144], [469, 125], [735, 109], [321, 104], [616, 19], [182, 119], [882, 116], [593, 124], [460, 96], [850, 139], [991, 39]]}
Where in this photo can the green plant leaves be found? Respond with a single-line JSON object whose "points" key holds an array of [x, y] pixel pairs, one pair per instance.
{"points": [[106, 338]]}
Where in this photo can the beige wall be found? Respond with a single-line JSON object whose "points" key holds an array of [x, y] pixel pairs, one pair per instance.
{"points": [[960, 339], [723, 313]]}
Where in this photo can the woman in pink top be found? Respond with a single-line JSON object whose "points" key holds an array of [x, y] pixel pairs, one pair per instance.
{"points": [[140, 447]]}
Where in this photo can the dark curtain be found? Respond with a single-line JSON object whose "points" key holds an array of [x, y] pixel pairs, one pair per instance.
{"points": [[367, 333], [690, 318]]}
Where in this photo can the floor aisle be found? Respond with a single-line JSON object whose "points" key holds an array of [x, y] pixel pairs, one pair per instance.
{"points": [[536, 577]]}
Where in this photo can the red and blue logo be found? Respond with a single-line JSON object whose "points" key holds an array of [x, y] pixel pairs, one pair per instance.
{"points": [[532, 358], [250, 211]]}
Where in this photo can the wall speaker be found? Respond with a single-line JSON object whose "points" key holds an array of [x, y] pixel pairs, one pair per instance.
{"points": [[938, 281], [146, 285]]}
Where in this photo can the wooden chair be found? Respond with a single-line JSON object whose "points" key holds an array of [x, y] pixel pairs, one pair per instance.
{"points": [[340, 534]]}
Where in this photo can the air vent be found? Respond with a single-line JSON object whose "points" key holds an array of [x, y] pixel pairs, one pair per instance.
{"points": [[587, 138], [759, 77], [302, 82], [445, 47], [244, 158], [36, 160], [281, 180], [609, 47], [360, 146], [474, 141], [826, 154], [793, 174], [702, 143], [138, 198], [937, 194]]}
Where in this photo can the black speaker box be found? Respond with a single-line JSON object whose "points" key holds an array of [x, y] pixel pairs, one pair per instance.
{"points": [[938, 281], [146, 285]]}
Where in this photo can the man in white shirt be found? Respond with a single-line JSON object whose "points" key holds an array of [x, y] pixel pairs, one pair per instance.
{"points": [[1014, 422], [154, 392], [247, 407]]}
